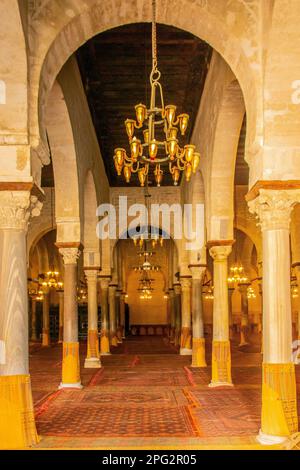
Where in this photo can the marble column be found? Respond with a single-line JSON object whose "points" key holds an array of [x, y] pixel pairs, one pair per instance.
{"points": [[46, 317], [177, 305], [122, 314], [221, 356], [279, 400], [297, 272], [230, 313], [60, 294], [33, 320], [112, 315], [244, 331], [71, 363], [17, 422], [104, 341], [198, 354], [186, 316], [93, 353], [118, 316], [171, 302]]}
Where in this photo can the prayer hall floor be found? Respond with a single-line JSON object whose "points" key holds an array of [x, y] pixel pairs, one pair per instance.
{"points": [[147, 397]]}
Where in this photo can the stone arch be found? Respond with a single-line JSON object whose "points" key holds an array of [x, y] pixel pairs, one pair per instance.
{"points": [[67, 192], [13, 86], [220, 177], [78, 23], [253, 236], [90, 240]]}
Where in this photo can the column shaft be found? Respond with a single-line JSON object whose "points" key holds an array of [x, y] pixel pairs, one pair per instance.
{"points": [[177, 305], [61, 316], [93, 354], [33, 320], [221, 356], [17, 424], [46, 318], [71, 364], [172, 311], [244, 316], [279, 401], [122, 314], [112, 316], [198, 356], [118, 317], [186, 320], [104, 342]]}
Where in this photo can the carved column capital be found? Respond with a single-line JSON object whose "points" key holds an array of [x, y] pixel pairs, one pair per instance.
{"points": [[186, 282], [104, 282], [91, 275], [197, 271], [273, 207], [177, 289], [220, 253], [16, 208], [70, 255]]}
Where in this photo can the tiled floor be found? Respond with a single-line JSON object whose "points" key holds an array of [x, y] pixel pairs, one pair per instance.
{"points": [[147, 396]]}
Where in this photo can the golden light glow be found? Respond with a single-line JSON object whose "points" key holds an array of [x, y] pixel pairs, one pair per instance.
{"points": [[183, 122], [172, 147], [127, 173], [237, 275], [188, 172], [141, 112], [135, 146], [129, 124], [195, 161], [170, 112], [153, 149]]}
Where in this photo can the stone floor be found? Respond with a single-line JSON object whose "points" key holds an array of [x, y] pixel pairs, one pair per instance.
{"points": [[147, 396]]}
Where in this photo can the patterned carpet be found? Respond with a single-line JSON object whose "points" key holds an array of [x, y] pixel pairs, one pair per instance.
{"points": [[149, 400]]}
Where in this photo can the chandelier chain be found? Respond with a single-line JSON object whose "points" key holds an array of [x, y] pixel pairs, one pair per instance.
{"points": [[154, 43]]}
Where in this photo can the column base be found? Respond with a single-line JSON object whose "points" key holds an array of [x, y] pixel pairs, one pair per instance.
{"points": [[198, 358], [70, 365], [60, 334], [17, 425], [221, 363], [220, 384], [279, 400], [268, 440], [104, 344], [119, 334], [45, 338], [92, 363], [186, 339], [114, 341], [65, 385], [185, 352], [93, 344], [245, 343]]}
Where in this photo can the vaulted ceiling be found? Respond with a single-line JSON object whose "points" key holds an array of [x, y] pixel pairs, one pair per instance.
{"points": [[115, 68]]}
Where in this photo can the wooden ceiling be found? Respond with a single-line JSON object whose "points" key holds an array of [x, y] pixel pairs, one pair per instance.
{"points": [[115, 68]]}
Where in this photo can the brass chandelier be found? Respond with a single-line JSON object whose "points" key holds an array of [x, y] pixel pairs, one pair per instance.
{"points": [[51, 279], [155, 150]]}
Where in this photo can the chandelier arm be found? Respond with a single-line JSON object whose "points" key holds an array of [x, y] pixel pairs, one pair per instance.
{"points": [[157, 160], [135, 170], [128, 159], [179, 161]]}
